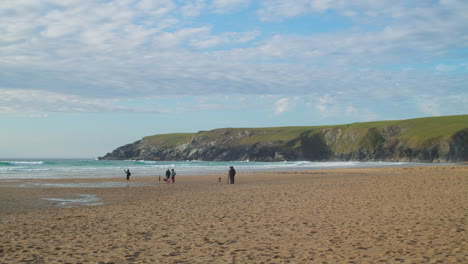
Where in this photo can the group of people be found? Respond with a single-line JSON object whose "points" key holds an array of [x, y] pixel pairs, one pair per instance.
{"points": [[170, 175]]}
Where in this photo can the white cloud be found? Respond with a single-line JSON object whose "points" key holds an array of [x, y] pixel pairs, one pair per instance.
{"points": [[393, 44], [429, 106], [158, 8], [362, 10], [337, 107], [436, 105], [38, 103], [324, 104], [351, 110], [445, 67], [171, 40], [285, 104], [362, 115], [282, 105], [131, 49], [278, 9], [32, 115], [224, 6], [193, 8], [227, 38]]}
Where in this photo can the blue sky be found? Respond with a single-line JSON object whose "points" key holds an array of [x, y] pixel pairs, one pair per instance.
{"points": [[79, 78]]}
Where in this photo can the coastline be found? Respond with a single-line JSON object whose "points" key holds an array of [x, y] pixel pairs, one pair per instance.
{"points": [[375, 215], [91, 168]]}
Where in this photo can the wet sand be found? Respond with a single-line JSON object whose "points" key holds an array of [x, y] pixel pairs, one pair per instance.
{"points": [[390, 215]]}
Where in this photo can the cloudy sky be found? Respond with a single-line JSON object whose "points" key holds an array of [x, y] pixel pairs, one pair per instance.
{"points": [[79, 78]]}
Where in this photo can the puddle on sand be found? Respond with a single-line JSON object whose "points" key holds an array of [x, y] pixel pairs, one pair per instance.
{"points": [[83, 200]]}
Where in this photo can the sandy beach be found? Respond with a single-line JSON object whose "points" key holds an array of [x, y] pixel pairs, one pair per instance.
{"points": [[385, 215]]}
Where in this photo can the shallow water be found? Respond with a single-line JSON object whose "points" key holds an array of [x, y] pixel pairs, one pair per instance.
{"points": [[11, 169], [82, 200], [83, 184]]}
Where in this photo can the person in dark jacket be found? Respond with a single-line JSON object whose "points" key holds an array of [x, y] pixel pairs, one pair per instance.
{"points": [[168, 176], [231, 174]]}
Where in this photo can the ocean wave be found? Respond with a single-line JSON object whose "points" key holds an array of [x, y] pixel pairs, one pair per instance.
{"points": [[21, 163], [146, 161], [22, 169]]}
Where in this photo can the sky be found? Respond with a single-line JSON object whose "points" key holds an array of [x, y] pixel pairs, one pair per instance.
{"points": [[79, 78]]}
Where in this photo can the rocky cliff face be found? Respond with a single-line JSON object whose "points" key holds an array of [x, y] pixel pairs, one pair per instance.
{"points": [[386, 143], [226, 147]]}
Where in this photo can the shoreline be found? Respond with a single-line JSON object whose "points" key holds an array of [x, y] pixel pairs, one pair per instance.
{"points": [[77, 169], [373, 215]]}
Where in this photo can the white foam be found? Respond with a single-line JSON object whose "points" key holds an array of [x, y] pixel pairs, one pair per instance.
{"points": [[23, 163]]}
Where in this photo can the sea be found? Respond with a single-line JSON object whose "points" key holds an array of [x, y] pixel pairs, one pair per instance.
{"points": [[16, 169]]}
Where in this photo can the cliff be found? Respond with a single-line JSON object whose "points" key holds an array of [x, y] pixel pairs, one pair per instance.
{"points": [[433, 139]]}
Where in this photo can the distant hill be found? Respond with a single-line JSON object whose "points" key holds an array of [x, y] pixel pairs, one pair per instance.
{"points": [[432, 139]]}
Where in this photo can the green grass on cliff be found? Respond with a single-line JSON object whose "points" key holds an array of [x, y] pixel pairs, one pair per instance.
{"points": [[422, 130], [418, 131], [167, 140], [257, 135], [270, 134]]}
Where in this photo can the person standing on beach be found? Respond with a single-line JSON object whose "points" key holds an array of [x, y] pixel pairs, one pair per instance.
{"points": [[128, 174], [168, 175], [173, 174], [231, 174]]}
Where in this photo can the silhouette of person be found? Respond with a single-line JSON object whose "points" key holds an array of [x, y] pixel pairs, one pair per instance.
{"points": [[232, 174], [168, 175], [128, 174]]}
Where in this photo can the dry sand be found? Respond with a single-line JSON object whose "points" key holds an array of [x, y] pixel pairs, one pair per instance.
{"points": [[392, 215]]}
